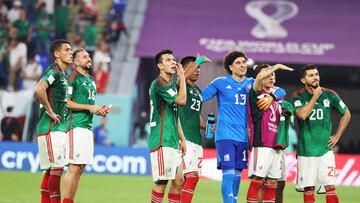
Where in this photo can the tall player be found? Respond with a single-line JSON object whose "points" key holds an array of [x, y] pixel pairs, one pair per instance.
{"points": [[231, 134], [165, 131], [191, 123], [265, 160], [81, 101], [51, 127], [316, 160]]}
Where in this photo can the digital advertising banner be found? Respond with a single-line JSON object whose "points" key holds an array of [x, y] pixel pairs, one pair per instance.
{"points": [[285, 31], [136, 161]]}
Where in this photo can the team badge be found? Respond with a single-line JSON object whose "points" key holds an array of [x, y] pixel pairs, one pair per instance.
{"points": [[51, 79], [297, 103], [248, 88], [326, 103]]}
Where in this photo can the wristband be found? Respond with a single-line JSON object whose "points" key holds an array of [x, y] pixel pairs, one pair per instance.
{"points": [[200, 60]]}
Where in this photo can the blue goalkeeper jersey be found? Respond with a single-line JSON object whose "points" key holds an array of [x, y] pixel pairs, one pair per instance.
{"points": [[232, 101]]}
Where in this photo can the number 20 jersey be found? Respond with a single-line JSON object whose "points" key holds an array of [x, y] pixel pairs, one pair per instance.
{"points": [[316, 129]]}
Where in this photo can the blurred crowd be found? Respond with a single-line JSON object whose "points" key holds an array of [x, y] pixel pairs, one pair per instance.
{"points": [[27, 28]]}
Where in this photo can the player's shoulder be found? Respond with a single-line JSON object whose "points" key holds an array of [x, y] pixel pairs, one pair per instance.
{"points": [[298, 93], [329, 91], [72, 76], [220, 79], [159, 82]]}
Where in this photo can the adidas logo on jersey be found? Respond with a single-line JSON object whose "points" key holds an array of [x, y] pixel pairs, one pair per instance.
{"points": [[84, 83], [228, 87], [227, 157]]}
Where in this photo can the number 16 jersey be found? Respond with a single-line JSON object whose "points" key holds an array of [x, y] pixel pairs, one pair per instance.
{"points": [[81, 90]]}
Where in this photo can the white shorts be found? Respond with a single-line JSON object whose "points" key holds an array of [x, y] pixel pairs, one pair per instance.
{"points": [[52, 150], [314, 171], [265, 162], [164, 163], [80, 146], [193, 157], [282, 166]]}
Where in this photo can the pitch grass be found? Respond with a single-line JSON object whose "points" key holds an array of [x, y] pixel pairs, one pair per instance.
{"points": [[23, 187]]}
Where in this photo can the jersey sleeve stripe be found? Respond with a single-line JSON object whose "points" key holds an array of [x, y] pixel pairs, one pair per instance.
{"points": [[330, 90], [72, 76]]}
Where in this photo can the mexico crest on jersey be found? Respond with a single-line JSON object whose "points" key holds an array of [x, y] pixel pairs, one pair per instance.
{"points": [[326, 103]]}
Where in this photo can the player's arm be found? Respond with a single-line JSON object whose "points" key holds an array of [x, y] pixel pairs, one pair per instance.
{"points": [[303, 112], [202, 123], [40, 91], [85, 107], [210, 91], [181, 99], [264, 73], [181, 138], [344, 121]]}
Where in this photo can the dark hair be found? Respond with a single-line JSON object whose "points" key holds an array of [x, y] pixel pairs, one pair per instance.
{"points": [[259, 67], [230, 58], [159, 55], [77, 51], [186, 60], [56, 45], [303, 70]]}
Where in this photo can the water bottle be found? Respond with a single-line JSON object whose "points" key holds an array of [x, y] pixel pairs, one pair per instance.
{"points": [[209, 125]]}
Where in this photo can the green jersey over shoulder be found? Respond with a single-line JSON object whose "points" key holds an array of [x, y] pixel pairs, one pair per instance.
{"points": [[163, 114], [81, 90], [316, 129], [56, 94], [190, 114]]}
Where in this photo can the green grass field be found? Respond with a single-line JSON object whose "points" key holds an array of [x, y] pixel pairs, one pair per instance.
{"points": [[23, 187]]}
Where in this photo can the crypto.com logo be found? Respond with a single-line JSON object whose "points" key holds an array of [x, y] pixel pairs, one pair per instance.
{"points": [[269, 26]]}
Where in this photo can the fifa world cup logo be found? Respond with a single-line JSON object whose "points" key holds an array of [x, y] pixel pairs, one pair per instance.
{"points": [[269, 26]]}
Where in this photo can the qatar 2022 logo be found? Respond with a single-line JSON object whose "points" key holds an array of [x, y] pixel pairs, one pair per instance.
{"points": [[269, 25]]}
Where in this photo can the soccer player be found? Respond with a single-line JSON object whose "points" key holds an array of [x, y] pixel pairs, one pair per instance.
{"points": [[265, 160], [191, 123], [316, 160], [81, 101], [51, 127], [166, 131], [231, 134]]}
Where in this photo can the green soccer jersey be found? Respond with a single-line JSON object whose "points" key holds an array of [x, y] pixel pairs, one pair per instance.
{"points": [[190, 114], [81, 90], [163, 114], [56, 93], [316, 130]]}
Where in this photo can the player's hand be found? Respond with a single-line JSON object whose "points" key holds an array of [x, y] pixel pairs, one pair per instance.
{"points": [[283, 67], [97, 110], [106, 108], [53, 116], [332, 141], [265, 102], [201, 59], [213, 128], [316, 91], [180, 70], [183, 147]]}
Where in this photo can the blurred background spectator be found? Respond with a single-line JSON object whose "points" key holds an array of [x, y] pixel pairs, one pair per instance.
{"points": [[101, 133], [10, 126]]}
